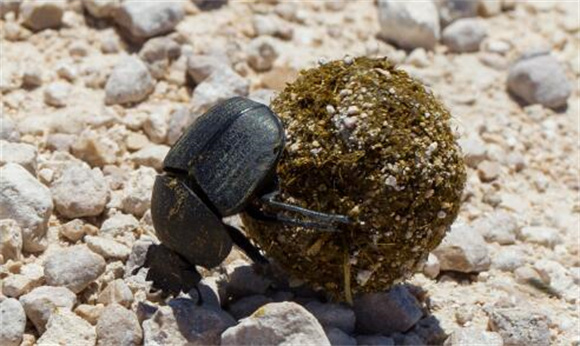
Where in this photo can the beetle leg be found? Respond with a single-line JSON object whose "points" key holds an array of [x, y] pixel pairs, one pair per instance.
{"points": [[267, 217], [243, 243]]}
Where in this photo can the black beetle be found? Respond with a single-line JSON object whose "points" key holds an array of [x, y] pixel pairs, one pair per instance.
{"points": [[225, 163]]}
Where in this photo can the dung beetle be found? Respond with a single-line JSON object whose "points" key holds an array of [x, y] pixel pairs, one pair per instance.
{"points": [[224, 164]]}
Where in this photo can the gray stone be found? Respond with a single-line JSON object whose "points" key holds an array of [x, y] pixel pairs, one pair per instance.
{"points": [[101, 8], [66, 328], [201, 67], [56, 94], [39, 15], [158, 53], [10, 240], [137, 191], [409, 26], [262, 53], [118, 326], [184, 322], [147, 19], [242, 280], [526, 275], [271, 26], [152, 156], [432, 267], [108, 248], [31, 276], [95, 148], [519, 326], [43, 301], [119, 224], [374, 340], [246, 306], [451, 10], [540, 79], [333, 315], [430, 331], [12, 322], [90, 313], [464, 35], [277, 324], [473, 336], [560, 281], [220, 85], [74, 267], [8, 130], [339, 338], [130, 81], [137, 257], [20, 153], [498, 226], [28, 202], [79, 191], [387, 312], [508, 259], [464, 250], [73, 230], [546, 236], [116, 292]]}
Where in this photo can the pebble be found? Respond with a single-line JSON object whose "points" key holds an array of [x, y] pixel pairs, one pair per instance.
{"points": [[119, 224], [8, 130], [152, 156], [95, 149], [559, 279], [118, 326], [199, 67], [246, 306], [473, 336], [387, 312], [498, 226], [464, 35], [520, 326], [432, 267], [333, 315], [272, 26], [184, 322], [30, 277], [540, 80], [262, 53], [136, 141], [12, 322], [179, 120], [137, 191], [526, 274], [488, 171], [409, 26], [56, 94], [155, 125], [42, 302], [28, 202], [145, 20], [40, 15], [74, 267], [101, 8], [20, 153], [242, 280], [339, 338], [487, 8], [451, 10], [207, 5], [546, 236], [158, 53], [374, 340], [508, 259], [66, 328], [73, 230], [32, 77], [10, 241], [79, 191], [220, 85], [418, 58], [107, 248], [90, 313], [130, 81], [283, 323], [464, 250], [67, 71]]}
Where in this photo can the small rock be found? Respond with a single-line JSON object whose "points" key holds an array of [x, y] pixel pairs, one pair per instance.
{"points": [[74, 267], [152, 156], [560, 281], [277, 324], [67, 72], [118, 326], [219, 86], [145, 20], [119, 224], [9, 7], [451, 10], [39, 15], [409, 26], [374, 340], [66, 328], [20, 153], [508, 259], [498, 226], [464, 35], [32, 77], [333, 315], [28, 202], [527, 274], [107, 248], [118, 292], [200, 67], [387, 312], [184, 322], [137, 191], [158, 53], [463, 250], [488, 171], [432, 267], [130, 81], [60, 142], [540, 79], [519, 326], [137, 256], [246, 306], [79, 191], [155, 125], [56, 94], [473, 336], [339, 338], [8, 130], [272, 26], [10, 240], [90, 313], [101, 8], [44, 301], [136, 141], [242, 280], [30, 277], [263, 96], [418, 58], [546, 236], [12, 322], [73, 230], [262, 53], [179, 120], [489, 8]]}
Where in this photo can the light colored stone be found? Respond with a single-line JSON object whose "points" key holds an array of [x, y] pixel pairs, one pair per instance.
{"points": [[79, 191], [56, 94], [540, 79], [271, 26], [145, 20], [73, 230], [108, 248], [31, 276], [32, 77], [283, 323], [520, 326], [333, 315], [262, 53], [179, 120], [432, 267], [546, 236], [119, 224], [130, 81], [28, 202], [10, 240], [498, 226], [12, 322], [158, 53], [558, 277], [136, 141], [152, 156], [408, 25], [137, 191], [473, 336], [90, 313], [527, 275], [42, 302], [8, 130], [101, 8], [488, 170], [39, 15], [263, 96], [508, 259], [220, 85], [464, 35], [464, 250], [200, 67], [20, 153], [118, 292], [118, 326], [489, 8], [451, 10], [155, 125], [66, 328], [74, 267]]}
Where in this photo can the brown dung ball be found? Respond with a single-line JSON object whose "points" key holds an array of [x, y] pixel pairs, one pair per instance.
{"points": [[365, 140]]}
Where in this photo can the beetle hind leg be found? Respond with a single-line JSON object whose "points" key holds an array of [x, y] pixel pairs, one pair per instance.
{"points": [[243, 243]]}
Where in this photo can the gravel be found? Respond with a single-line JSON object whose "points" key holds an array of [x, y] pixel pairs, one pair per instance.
{"points": [[108, 248], [222, 84], [145, 20], [12, 322], [66, 328], [118, 326], [498, 226], [74, 267], [137, 191], [130, 82], [10, 240], [42, 302], [473, 336], [464, 35], [21, 153], [464, 250], [42, 15], [56, 94], [520, 326]]}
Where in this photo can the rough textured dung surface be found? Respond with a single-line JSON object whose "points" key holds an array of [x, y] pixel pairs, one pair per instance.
{"points": [[367, 141]]}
